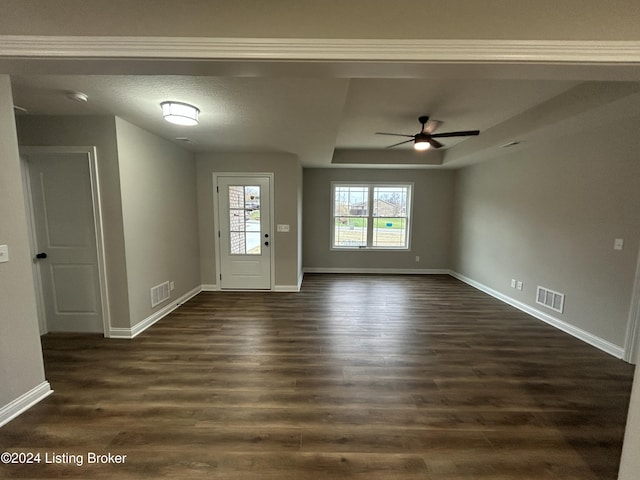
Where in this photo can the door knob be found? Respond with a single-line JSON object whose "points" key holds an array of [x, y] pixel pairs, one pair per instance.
{"points": [[41, 255]]}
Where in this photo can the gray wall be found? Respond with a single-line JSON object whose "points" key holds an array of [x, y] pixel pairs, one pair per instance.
{"points": [[431, 220], [286, 170], [464, 19], [159, 209], [21, 367], [98, 131], [548, 215]]}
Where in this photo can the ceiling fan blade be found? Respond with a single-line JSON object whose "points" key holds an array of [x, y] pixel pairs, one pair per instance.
{"points": [[394, 134], [466, 133], [401, 143], [435, 143], [431, 126]]}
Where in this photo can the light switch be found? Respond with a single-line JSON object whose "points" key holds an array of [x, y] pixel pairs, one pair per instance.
{"points": [[618, 244], [4, 253], [283, 228]]}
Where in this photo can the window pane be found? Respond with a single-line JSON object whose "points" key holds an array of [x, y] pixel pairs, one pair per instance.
{"points": [[236, 196], [252, 197], [236, 220], [390, 232], [237, 243], [350, 232], [253, 243], [351, 201], [390, 201]]}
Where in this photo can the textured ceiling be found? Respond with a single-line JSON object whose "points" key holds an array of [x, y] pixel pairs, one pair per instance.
{"points": [[394, 105], [309, 117]]}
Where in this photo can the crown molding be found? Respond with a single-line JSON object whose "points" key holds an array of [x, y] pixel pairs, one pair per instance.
{"points": [[418, 50]]}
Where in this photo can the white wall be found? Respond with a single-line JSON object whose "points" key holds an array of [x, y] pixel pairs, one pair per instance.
{"points": [[431, 221], [547, 215], [159, 210], [286, 170], [21, 367]]}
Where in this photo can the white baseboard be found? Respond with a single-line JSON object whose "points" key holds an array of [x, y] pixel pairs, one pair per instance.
{"points": [[384, 271], [24, 402], [286, 288], [583, 335], [211, 287], [289, 288], [138, 328]]}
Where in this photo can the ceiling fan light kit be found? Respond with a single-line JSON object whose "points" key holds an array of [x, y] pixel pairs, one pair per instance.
{"points": [[180, 113], [421, 143], [425, 138]]}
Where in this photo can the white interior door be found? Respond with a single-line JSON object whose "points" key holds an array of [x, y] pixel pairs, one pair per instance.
{"points": [[65, 235], [244, 211]]}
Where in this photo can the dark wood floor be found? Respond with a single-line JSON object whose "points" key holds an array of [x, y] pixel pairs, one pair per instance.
{"points": [[398, 377]]}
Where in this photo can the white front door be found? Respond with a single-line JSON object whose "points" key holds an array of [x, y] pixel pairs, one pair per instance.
{"points": [[65, 235], [244, 210]]}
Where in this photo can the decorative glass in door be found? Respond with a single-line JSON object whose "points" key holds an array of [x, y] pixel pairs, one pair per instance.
{"points": [[244, 220]]}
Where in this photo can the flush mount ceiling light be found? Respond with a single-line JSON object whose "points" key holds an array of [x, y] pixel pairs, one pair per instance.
{"points": [[180, 113]]}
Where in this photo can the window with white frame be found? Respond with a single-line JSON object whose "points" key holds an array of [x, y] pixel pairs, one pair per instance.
{"points": [[367, 215]]}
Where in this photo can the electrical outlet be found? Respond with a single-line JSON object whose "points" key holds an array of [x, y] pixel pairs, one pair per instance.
{"points": [[4, 253], [172, 286], [513, 283], [417, 258], [618, 244], [519, 285]]}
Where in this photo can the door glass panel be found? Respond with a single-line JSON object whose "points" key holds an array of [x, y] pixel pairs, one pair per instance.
{"points": [[253, 242], [244, 220], [236, 196], [236, 220], [237, 243], [252, 198]]}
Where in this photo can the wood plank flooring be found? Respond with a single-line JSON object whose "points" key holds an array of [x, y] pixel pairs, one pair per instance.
{"points": [[354, 377]]}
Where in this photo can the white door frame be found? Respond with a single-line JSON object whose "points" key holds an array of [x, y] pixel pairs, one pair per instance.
{"points": [[216, 221], [92, 162], [632, 339]]}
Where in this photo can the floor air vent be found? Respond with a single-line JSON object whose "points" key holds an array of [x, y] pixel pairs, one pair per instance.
{"points": [[550, 299], [160, 293]]}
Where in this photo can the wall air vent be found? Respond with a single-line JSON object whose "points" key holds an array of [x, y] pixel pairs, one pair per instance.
{"points": [[160, 293], [550, 299]]}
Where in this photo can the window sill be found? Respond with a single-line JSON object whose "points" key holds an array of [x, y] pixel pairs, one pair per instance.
{"points": [[370, 249]]}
